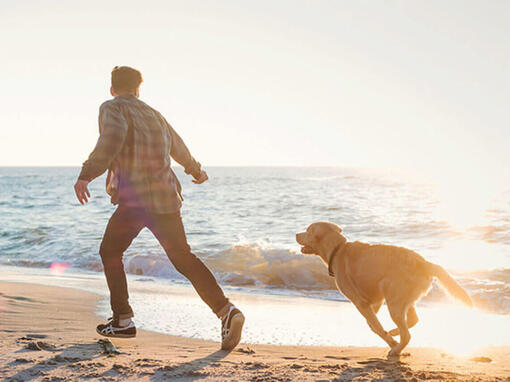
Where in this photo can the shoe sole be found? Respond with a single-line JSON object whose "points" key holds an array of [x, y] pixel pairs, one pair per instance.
{"points": [[236, 329], [116, 335]]}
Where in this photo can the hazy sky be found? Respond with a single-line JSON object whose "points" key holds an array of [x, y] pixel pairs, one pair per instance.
{"points": [[415, 84]]}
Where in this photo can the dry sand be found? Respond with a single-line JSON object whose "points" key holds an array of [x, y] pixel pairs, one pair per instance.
{"points": [[48, 334]]}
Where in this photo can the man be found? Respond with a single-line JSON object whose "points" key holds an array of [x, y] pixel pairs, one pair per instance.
{"points": [[135, 146]]}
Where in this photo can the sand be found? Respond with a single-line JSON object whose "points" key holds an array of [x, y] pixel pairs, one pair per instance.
{"points": [[48, 333]]}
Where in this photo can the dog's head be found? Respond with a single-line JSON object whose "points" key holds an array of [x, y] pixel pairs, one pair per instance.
{"points": [[320, 238]]}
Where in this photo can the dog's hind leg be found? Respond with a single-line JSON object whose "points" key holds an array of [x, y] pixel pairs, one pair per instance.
{"points": [[376, 306], [374, 324], [412, 319], [398, 315]]}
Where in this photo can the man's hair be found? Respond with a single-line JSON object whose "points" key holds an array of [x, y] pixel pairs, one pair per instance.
{"points": [[126, 79]]}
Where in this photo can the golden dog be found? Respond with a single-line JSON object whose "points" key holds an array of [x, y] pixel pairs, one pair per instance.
{"points": [[369, 274]]}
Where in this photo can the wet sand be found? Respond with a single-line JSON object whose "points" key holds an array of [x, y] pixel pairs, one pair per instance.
{"points": [[48, 333]]}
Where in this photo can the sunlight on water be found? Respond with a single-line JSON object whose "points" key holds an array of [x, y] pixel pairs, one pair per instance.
{"points": [[465, 255], [464, 199]]}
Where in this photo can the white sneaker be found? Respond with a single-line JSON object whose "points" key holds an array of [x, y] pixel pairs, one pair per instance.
{"points": [[231, 328], [113, 329]]}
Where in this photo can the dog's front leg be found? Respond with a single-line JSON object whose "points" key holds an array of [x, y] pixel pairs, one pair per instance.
{"points": [[374, 324]]}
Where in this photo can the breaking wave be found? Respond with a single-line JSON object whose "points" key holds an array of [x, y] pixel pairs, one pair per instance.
{"points": [[253, 266]]}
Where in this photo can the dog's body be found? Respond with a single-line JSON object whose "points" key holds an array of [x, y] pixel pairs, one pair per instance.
{"points": [[370, 274]]}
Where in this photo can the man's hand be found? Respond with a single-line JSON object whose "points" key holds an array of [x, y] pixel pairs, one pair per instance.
{"points": [[203, 177], [81, 190]]}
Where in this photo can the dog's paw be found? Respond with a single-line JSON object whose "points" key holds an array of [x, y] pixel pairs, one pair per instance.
{"points": [[394, 332], [394, 352]]}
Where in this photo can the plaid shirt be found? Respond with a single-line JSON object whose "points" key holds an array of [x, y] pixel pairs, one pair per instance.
{"points": [[135, 145]]}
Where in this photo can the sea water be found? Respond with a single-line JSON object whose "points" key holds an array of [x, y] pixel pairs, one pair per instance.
{"points": [[242, 224]]}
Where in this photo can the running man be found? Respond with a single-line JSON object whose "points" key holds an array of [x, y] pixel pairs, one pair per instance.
{"points": [[135, 146]]}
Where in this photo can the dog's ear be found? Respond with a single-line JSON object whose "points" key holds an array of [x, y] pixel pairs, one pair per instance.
{"points": [[338, 229]]}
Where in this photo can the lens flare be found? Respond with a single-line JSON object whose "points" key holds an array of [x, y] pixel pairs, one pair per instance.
{"points": [[58, 268]]}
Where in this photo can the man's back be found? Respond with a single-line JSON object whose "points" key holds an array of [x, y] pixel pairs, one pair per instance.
{"points": [[146, 150], [135, 144]]}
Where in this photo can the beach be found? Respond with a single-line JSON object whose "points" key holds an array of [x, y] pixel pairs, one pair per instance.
{"points": [[61, 323]]}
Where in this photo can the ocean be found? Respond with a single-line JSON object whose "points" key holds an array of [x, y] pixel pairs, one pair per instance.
{"points": [[242, 224]]}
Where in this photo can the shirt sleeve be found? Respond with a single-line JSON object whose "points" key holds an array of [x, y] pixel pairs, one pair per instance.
{"points": [[180, 153], [112, 134]]}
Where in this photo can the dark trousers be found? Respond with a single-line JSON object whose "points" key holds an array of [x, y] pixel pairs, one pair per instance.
{"points": [[123, 227]]}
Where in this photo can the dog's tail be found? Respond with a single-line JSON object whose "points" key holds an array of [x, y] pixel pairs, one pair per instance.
{"points": [[450, 284]]}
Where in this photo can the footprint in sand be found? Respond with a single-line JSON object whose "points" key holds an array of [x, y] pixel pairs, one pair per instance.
{"points": [[336, 357], [481, 359], [245, 350], [20, 298], [31, 335], [22, 360]]}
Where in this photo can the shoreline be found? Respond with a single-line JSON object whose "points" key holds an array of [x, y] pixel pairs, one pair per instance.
{"points": [[274, 319], [63, 320]]}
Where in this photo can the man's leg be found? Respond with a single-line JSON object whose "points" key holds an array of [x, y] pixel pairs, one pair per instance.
{"points": [[123, 227], [169, 231]]}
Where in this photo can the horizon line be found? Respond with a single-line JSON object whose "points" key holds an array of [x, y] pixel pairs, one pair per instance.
{"points": [[209, 166]]}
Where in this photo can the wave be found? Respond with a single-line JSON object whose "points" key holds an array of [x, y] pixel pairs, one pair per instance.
{"points": [[278, 269], [492, 233], [256, 266], [246, 264]]}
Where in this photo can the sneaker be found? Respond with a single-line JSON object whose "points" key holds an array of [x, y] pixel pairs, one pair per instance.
{"points": [[231, 328], [112, 329]]}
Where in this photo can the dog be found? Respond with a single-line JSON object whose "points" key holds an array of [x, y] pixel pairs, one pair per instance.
{"points": [[368, 275]]}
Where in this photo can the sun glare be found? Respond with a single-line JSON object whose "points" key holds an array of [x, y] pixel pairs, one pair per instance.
{"points": [[463, 201], [459, 330]]}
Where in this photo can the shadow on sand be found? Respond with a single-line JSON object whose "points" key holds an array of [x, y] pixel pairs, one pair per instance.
{"points": [[389, 369], [191, 369], [88, 360], [90, 352]]}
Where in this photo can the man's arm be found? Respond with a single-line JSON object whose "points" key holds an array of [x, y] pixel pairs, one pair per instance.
{"points": [[113, 131], [181, 154]]}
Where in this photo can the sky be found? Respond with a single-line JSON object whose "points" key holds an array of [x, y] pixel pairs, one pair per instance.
{"points": [[417, 85]]}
